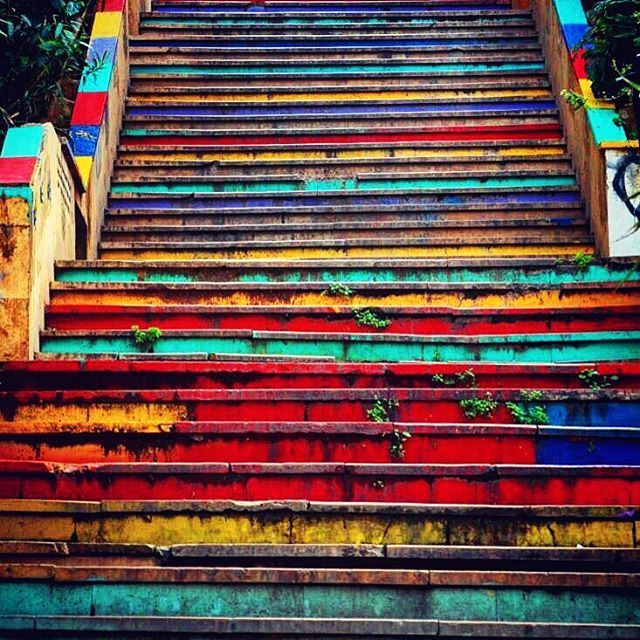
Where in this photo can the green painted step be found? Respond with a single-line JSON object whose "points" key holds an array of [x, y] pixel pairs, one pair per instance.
{"points": [[538, 348], [348, 184], [547, 272]]}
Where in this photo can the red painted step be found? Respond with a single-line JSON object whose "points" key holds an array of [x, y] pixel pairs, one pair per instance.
{"points": [[300, 405], [276, 442], [430, 484], [450, 134], [420, 321], [139, 374]]}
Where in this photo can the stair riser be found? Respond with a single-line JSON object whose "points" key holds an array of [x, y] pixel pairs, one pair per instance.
{"points": [[322, 124], [519, 51], [142, 253], [358, 272], [324, 601], [159, 414], [323, 447], [79, 319], [375, 154], [129, 375], [502, 233], [328, 70], [314, 171], [459, 218], [541, 299], [184, 525], [422, 489]]}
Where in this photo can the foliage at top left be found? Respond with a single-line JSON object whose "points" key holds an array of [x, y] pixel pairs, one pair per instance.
{"points": [[43, 45]]}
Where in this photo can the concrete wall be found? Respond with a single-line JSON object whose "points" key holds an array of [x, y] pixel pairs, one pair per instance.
{"points": [[52, 204], [37, 227], [591, 131]]}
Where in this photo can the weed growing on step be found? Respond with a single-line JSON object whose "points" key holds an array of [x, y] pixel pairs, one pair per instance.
{"points": [[396, 444], [582, 261], [382, 410], [528, 412], [595, 380], [370, 318], [464, 379], [476, 407], [437, 356], [339, 289], [378, 484], [145, 338], [573, 99]]}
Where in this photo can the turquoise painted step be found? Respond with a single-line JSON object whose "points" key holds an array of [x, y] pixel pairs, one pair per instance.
{"points": [[485, 603], [350, 184], [543, 348], [275, 20], [298, 69], [549, 276]]}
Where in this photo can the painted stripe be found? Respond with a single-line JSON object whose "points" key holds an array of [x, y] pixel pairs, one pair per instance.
{"points": [[170, 70], [282, 600], [269, 110], [582, 347]]}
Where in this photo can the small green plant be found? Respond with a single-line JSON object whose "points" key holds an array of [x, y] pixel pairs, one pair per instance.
{"points": [[475, 407], [437, 356], [382, 409], [377, 484], [573, 99], [339, 289], [370, 318], [466, 379], [582, 261], [396, 443], [527, 412], [595, 380], [145, 338]]}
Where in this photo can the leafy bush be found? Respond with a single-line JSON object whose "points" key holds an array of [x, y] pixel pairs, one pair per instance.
{"points": [[42, 52], [612, 48]]}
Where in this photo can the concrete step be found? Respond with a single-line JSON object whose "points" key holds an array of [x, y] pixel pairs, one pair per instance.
{"points": [[533, 85], [309, 522], [543, 271], [161, 408], [466, 212], [410, 48], [409, 295], [358, 347], [412, 596], [235, 57], [322, 442], [430, 484], [385, 124], [566, 230], [287, 70], [429, 321], [188, 374], [376, 556], [317, 169], [139, 628]]}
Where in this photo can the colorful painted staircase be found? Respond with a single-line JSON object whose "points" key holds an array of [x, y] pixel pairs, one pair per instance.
{"points": [[394, 394]]}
